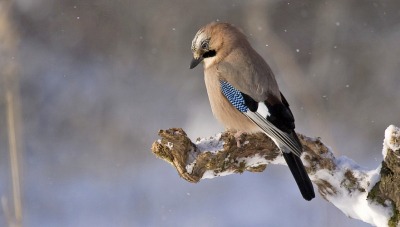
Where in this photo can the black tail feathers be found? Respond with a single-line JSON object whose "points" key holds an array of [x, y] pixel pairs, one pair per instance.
{"points": [[300, 175]]}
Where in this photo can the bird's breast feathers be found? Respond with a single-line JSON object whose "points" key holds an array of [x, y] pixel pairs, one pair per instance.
{"points": [[223, 110]]}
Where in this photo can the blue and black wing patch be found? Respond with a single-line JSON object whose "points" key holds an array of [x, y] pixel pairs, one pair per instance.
{"points": [[241, 101], [234, 96]]}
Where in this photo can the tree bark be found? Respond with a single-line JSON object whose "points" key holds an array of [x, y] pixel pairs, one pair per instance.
{"points": [[337, 179]]}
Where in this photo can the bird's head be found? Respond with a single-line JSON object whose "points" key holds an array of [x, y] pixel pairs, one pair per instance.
{"points": [[214, 41]]}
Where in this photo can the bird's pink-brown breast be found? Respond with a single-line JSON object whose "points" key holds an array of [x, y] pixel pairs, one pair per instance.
{"points": [[222, 109]]}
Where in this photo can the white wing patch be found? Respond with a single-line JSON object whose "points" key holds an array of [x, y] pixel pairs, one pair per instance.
{"points": [[263, 109]]}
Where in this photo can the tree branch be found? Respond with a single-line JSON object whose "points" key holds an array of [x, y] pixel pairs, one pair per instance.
{"points": [[372, 196]]}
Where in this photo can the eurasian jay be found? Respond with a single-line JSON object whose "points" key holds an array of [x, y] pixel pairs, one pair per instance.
{"points": [[244, 94]]}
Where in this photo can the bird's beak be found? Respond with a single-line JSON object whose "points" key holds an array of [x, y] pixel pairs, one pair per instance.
{"points": [[195, 62]]}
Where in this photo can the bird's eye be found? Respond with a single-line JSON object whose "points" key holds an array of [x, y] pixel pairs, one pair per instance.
{"points": [[204, 46]]}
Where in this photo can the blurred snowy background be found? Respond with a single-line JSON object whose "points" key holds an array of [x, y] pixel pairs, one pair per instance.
{"points": [[97, 79]]}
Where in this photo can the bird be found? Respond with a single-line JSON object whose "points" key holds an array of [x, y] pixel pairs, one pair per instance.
{"points": [[244, 94]]}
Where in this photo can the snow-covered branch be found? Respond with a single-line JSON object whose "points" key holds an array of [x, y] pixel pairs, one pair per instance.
{"points": [[372, 196]]}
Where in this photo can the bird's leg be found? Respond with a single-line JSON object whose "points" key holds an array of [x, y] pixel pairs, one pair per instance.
{"points": [[238, 136]]}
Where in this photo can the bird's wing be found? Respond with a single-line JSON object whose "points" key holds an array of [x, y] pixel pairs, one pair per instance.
{"points": [[249, 73], [262, 114]]}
